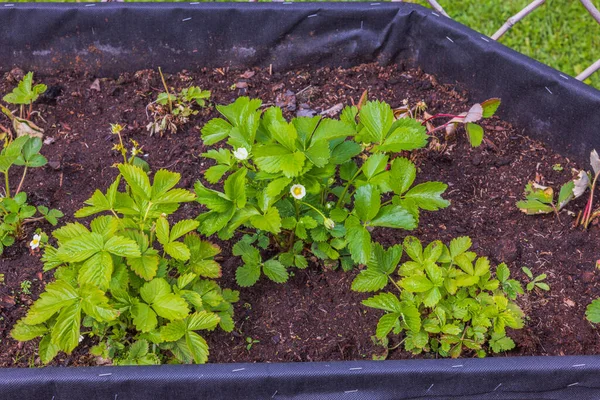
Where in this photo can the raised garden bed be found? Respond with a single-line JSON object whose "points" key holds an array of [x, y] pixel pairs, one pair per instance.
{"points": [[315, 316]]}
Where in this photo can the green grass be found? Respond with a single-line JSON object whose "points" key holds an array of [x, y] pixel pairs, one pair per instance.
{"points": [[560, 33]]}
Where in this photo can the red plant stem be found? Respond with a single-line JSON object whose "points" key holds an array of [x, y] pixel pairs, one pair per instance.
{"points": [[589, 206], [440, 116], [439, 128]]}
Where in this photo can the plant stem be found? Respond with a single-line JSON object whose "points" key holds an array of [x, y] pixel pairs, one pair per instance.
{"points": [[22, 180], [440, 116], [7, 184], [347, 186], [311, 206], [588, 212], [30, 110], [167, 89]]}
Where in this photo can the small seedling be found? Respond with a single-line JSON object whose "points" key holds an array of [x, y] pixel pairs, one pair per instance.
{"points": [[535, 281], [26, 287], [2, 278], [251, 342], [25, 94], [476, 113], [557, 167], [540, 199], [136, 149], [170, 111]]}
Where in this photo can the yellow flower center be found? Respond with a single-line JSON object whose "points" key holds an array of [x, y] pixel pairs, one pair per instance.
{"points": [[297, 191]]}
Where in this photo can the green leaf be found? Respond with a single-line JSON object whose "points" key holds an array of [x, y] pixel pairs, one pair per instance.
{"points": [[407, 134], [386, 323], [403, 175], [235, 187], [66, 330], [154, 289], [500, 343], [416, 284], [25, 92], [490, 106], [566, 194], [411, 316], [122, 247], [502, 272], [24, 332], [247, 275], [274, 158], [97, 270], [170, 306], [181, 228], [174, 330], [47, 350], [392, 216], [428, 195], [58, 295], [197, 346], [163, 181], [202, 320], [215, 130], [367, 202], [459, 245], [144, 318], [270, 221], [592, 312], [377, 118], [413, 248], [177, 250], [275, 271], [375, 164], [81, 248], [475, 133], [69, 231], [95, 303], [137, 180], [359, 243], [145, 266], [369, 281], [215, 173], [384, 301]]}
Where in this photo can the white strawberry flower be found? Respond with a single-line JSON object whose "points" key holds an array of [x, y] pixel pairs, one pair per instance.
{"points": [[35, 243], [241, 153], [298, 191]]}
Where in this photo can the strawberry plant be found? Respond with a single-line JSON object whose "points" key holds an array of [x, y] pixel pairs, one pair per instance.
{"points": [[15, 212], [139, 284], [540, 199], [468, 119], [446, 301], [171, 110], [25, 94], [314, 185]]}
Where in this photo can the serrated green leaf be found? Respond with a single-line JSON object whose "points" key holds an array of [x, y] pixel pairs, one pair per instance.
{"points": [[270, 221], [197, 346], [490, 106], [592, 312], [416, 284], [170, 306], [428, 196], [275, 271], [384, 301], [150, 291], [58, 295], [81, 248], [359, 243], [247, 275], [376, 118], [144, 318], [215, 130], [163, 181], [367, 202], [47, 350], [122, 247], [202, 320], [386, 323], [403, 173], [97, 270], [177, 250], [392, 216], [174, 330], [369, 281], [66, 330], [406, 134], [215, 173], [24, 332], [459, 245], [137, 180], [95, 303]]}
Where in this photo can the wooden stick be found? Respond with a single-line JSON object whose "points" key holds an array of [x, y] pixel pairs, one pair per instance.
{"points": [[516, 18]]}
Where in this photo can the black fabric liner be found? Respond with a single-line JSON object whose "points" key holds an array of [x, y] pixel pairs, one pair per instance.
{"points": [[106, 39]]}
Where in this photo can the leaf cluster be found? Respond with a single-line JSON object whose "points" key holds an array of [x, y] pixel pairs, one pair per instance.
{"points": [[171, 110], [448, 300], [131, 278], [347, 173], [23, 151]]}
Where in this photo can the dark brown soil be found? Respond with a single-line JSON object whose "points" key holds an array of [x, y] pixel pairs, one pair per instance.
{"points": [[315, 316]]}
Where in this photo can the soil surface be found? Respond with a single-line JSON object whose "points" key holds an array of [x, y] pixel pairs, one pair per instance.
{"points": [[315, 316]]}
